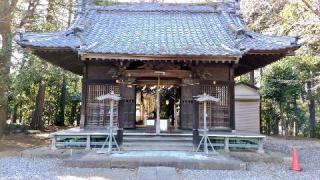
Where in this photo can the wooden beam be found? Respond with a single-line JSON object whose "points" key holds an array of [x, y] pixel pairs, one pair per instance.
{"points": [[273, 52], [163, 82], [251, 62], [185, 58], [151, 73], [67, 60], [100, 81]]}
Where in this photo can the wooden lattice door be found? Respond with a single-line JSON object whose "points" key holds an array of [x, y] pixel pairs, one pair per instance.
{"points": [[218, 112], [98, 112]]}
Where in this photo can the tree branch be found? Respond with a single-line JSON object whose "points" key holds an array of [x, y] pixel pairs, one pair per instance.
{"points": [[12, 5], [315, 11], [30, 12]]}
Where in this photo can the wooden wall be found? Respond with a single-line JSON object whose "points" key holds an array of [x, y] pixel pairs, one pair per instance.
{"points": [[206, 74], [127, 106], [210, 72], [97, 80], [188, 109], [101, 72], [97, 112], [218, 112], [217, 80], [101, 79]]}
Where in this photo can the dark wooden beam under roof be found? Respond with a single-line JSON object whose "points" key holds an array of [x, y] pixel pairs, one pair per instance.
{"points": [[151, 73], [65, 59], [251, 62], [176, 58], [69, 59], [153, 82]]}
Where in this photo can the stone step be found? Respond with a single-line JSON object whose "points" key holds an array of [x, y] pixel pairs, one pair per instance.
{"points": [[140, 139], [156, 148], [154, 135], [152, 142], [188, 144]]}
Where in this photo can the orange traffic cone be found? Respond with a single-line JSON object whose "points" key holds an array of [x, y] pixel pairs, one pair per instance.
{"points": [[295, 165]]}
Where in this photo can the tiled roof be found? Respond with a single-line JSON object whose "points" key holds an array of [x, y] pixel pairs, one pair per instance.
{"points": [[50, 40], [160, 29]]}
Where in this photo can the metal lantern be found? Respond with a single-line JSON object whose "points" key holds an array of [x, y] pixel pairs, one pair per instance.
{"points": [[205, 139], [110, 138]]}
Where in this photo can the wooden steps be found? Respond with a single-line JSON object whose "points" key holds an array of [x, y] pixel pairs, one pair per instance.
{"points": [[136, 142]]}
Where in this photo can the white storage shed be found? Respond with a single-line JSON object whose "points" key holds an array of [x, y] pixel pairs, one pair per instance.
{"points": [[247, 108]]}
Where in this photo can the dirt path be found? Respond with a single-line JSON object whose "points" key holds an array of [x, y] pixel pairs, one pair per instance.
{"points": [[11, 145]]}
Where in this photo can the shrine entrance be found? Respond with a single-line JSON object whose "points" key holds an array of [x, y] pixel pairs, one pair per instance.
{"points": [[146, 107]]}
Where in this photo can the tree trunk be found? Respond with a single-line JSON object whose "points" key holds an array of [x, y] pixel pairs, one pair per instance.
{"points": [[70, 13], [276, 124], [251, 80], [36, 120], [281, 118], [268, 122], [15, 114], [75, 105], [312, 112], [6, 8], [295, 125], [20, 114], [73, 112], [62, 103], [78, 115], [28, 17], [3, 103]]}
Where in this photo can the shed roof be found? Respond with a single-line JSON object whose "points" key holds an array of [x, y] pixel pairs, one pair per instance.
{"points": [[244, 91], [160, 30]]}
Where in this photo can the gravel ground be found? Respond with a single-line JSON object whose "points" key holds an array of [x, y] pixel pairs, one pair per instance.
{"points": [[309, 154], [308, 150], [15, 168], [259, 171]]}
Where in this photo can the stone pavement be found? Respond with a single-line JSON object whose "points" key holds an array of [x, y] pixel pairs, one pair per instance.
{"points": [[157, 173], [134, 160]]}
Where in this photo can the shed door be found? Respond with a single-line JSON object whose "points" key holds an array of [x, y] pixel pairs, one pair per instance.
{"points": [[247, 116]]}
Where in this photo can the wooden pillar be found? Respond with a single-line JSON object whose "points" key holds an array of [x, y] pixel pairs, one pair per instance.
{"points": [[187, 108], [88, 142], [260, 145], [190, 111], [231, 94], [128, 106], [120, 123], [120, 117], [195, 131], [53, 142], [83, 96], [126, 110], [226, 144]]}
